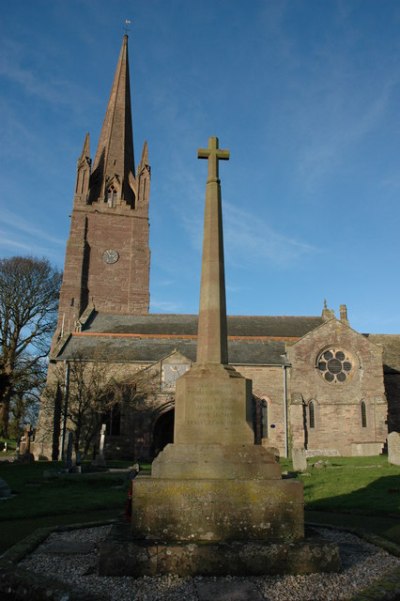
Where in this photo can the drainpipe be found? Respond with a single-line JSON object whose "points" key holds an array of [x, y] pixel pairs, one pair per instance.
{"points": [[66, 395], [285, 408]]}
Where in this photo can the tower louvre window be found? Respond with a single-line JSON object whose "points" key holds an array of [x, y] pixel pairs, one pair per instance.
{"points": [[112, 419], [111, 196]]}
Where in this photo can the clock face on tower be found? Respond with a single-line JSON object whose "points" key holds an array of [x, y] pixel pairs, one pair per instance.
{"points": [[110, 256]]}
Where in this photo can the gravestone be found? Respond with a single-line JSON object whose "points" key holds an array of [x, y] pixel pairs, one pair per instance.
{"points": [[215, 501], [25, 441], [24, 454], [70, 445], [100, 459], [299, 460], [394, 448]]}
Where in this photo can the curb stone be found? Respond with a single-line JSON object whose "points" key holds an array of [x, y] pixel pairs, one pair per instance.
{"points": [[17, 584], [388, 587]]}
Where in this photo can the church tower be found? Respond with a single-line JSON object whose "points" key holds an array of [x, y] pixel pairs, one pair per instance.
{"points": [[107, 259]]}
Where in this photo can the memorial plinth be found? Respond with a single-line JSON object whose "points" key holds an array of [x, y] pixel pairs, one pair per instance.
{"points": [[214, 494]]}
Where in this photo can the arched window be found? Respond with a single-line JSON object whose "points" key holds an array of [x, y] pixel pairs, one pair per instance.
{"points": [[311, 414], [112, 419], [363, 414], [264, 419], [111, 196]]}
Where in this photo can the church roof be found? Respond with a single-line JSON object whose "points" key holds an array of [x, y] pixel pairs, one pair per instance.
{"points": [[254, 340], [391, 350], [280, 327], [144, 350]]}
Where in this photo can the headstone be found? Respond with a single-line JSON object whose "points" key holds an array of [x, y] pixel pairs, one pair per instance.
{"points": [[394, 448], [70, 444], [24, 454], [299, 460], [100, 459]]}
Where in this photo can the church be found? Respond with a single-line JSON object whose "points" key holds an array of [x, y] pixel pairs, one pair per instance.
{"points": [[317, 383]]}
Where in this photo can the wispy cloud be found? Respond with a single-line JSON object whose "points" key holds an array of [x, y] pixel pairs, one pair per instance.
{"points": [[12, 220], [10, 243], [52, 89], [343, 119], [249, 238], [10, 246], [165, 306]]}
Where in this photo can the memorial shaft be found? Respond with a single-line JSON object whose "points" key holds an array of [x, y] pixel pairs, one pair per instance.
{"points": [[212, 343]]}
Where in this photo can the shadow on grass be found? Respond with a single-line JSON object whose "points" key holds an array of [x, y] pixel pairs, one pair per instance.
{"points": [[374, 508], [42, 501]]}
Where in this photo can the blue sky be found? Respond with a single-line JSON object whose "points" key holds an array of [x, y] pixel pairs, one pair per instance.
{"points": [[306, 96]]}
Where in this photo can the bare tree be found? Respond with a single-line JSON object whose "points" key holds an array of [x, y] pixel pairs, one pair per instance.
{"points": [[29, 290], [29, 381], [90, 390]]}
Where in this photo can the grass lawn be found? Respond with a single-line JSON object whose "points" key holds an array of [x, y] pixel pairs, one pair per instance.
{"points": [[358, 492], [67, 499], [361, 484]]}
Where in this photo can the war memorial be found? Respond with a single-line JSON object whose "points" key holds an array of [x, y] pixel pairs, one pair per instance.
{"points": [[215, 503]]}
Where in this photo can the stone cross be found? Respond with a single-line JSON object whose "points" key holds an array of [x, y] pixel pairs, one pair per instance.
{"points": [[212, 344], [213, 154]]}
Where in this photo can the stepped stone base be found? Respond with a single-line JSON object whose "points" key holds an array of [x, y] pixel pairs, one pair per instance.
{"points": [[209, 461], [216, 510], [121, 556]]}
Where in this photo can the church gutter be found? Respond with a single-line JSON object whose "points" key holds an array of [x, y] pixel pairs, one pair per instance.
{"points": [[180, 336]]}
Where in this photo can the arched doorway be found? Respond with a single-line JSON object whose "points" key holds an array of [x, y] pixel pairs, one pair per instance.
{"points": [[163, 431]]}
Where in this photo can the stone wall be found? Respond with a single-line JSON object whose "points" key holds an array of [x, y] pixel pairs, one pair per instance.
{"points": [[392, 389], [268, 385], [121, 286], [349, 417], [346, 416]]}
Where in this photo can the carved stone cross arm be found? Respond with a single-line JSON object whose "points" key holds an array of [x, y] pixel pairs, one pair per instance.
{"points": [[214, 154]]}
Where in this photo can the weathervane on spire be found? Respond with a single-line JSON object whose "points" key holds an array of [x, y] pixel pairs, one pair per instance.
{"points": [[126, 26]]}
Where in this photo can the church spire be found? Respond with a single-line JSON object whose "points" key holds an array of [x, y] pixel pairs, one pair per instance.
{"points": [[113, 177]]}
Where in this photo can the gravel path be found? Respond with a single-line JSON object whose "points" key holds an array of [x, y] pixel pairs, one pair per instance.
{"points": [[363, 564]]}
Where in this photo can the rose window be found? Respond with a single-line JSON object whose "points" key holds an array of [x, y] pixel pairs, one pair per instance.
{"points": [[335, 365]]}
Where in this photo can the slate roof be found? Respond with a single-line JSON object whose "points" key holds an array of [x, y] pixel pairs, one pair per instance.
{"points": [[170, 324], [391, 350], [257, 340], [123, 349]]}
